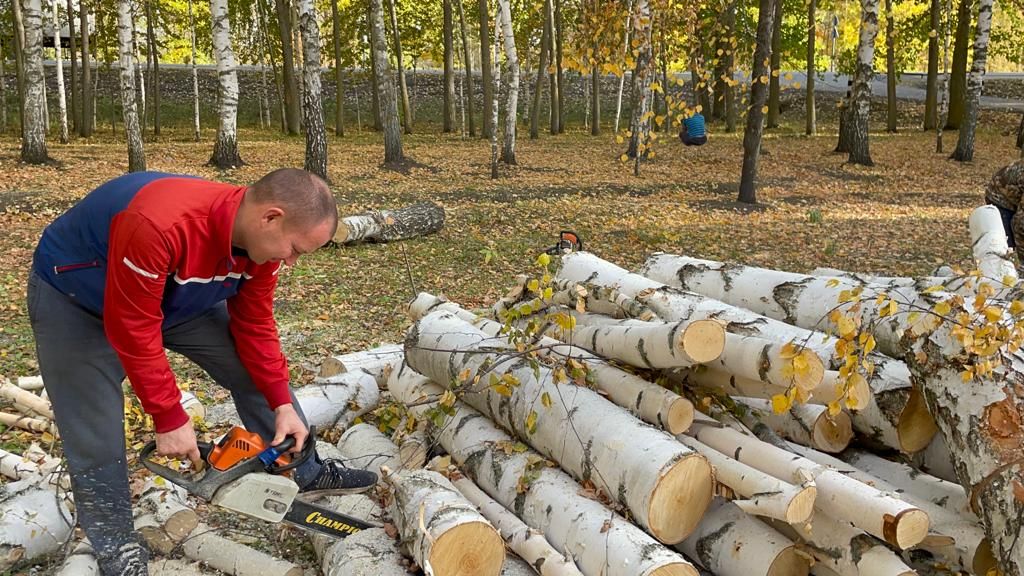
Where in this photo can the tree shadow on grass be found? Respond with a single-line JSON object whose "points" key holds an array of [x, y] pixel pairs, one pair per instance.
{"points": [[406, 165]]}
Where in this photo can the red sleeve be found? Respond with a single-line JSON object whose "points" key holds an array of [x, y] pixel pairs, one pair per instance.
{"points": [[255, 333], [139, 260]]}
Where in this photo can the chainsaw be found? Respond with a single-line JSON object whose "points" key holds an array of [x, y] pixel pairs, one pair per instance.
{"points": [[244, 475]]}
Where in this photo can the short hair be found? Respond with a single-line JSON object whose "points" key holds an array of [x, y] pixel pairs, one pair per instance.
{"points": [[304, 196]]}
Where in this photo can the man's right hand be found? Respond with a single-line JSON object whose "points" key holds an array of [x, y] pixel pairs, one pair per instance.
{"points": [[180, 442]]}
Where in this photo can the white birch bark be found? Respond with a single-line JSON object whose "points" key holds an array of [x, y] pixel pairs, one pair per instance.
{"points": [[62, 102], [645, 400], [225, 150], [80, 562], [230, 557], [882, 516], [915, 483], [363, 446], [965, 143], [403, 223], [622, 78], [30, 383], [195, 73], [26, 422], [508, 150], [936, 460], [730, 542], [168, 503], [762, 494], [34, 404], [805, 424], [16, 466], [371, 361], [861, 91], [640, 125], [33, 522], [443, 531], [844, 549], [388, 106], [313, 114], [830, 390], [369, 552], [992, 254], [337, 401], [664, 484], [651, 345], [527, 543], [33, 142], [601, 542], [132, 129]]}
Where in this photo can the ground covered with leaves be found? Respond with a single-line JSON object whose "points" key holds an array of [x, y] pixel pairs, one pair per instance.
{"points": [[903, 216]]}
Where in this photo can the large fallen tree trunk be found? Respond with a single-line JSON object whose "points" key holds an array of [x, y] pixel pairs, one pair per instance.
{"points": [[645, 400], [34, 522], [442, 530], [664, 484], [893, 418], [418, 219], [600, 541], [980, 419], [730, 542]]}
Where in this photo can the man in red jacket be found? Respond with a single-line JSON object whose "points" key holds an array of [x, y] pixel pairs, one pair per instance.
{"points": [[150, 261]]}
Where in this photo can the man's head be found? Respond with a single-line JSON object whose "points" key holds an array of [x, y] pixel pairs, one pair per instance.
{"points": [[287, 213]]}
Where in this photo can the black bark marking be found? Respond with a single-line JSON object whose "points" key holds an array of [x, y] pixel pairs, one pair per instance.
{"points": [[706, 545], [687, 271], [786, 296], [764, 364]]}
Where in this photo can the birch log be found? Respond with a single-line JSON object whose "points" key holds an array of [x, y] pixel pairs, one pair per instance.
{"points": [[443, 531], [30, 383], [653, 345], [369, 552], [371, 361], [156, 538], [25, 398], [34, 522], [572, 294], [527, 543], [645, 400], [206, 546], [81, 562], [882, 516], [992, 254], [413, 447], [546, 498], [665, 485], [895, 421], [169, 506], [844, 549], [980, 422], [730, 542], [806, 424], [763, 494], [391, 225], [363, 446], [16, 466], [338, 400], [922, 486]]}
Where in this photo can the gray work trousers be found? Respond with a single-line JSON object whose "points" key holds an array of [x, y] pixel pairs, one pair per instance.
{"points": [[83, 378]]}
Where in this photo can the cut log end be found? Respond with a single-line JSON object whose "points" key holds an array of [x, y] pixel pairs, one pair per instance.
{"points": [[341, 236], [789, 563], [470, 549], [679, 500], [916, 426], [832, 434], [703, 340], [801, 507], [859, 395], [678, 569], [331, 366], [811, 378], [679, 416], [984, 560], [908, 528]]}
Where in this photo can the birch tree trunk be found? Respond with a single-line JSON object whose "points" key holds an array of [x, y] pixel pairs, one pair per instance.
{"points": [[154, 51], [812, 35], [772, 120], [667, 486], [18, 29], [467, 65], [542, 65], [75, 97], [225, 150], [559, 72], [132, 130], [548, 500], [59, 60], [385, 83], [495, 91], [3, 90], [958, 76], [316, 134], [890, 67], [400, 63], [339, 97], [965, 142], [758, 95], [447, 32], [640, 125], [33, 144], [553, 72], [195, 74], [508, 149], [625, 52], [85, 125], [931, 98], [291, 86], [485, 67], [861, 100], [281, 97], [140, 72]]}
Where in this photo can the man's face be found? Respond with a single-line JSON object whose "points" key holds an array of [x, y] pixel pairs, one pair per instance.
{"points": [[276, 241]]}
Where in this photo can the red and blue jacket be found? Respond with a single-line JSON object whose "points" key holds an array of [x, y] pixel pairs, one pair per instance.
{"points": [[149, 250]]}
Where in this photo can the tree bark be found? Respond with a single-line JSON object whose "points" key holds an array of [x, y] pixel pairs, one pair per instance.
{"points": [[262, 9], [74, 96], [508, 148], [958, 74], [559, 74], [411, 221], [485, 68], [553, 72], [812, 29], [339, 99], [33, 520], [132, 129], [18, 26], [595, 89], [154, 50], [291, 88], [385, 84], [495, 91], [549, 501], [992, 254], [59, 61], [225, 150], [365, 447], [3, 90], [758, 95], [931, 98], [965, 143], [860, 107], [890, 67], [776, 65], [448, 104], [805, 424], [316, 134], [468, 69], [640, 125], [33, 144], [542, 65], [195, 73], [844, 549], [226, 555], [625, 52], [86, 123], [400, 63]]}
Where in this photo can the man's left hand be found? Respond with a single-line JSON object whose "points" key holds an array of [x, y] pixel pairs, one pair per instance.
{"points": [[287, 423]]}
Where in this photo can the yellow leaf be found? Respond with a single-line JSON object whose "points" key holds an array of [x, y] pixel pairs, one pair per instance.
{"points": [[832, 283], [623, 158], [503, 390], [942, 308], [763, 79], [548, 293], [892, 307], [931, 289], [780, 403], [531, 422], [834, 408], [846, 327], [543, 259], [464, 375], [1016, 307], [993, 313], [775, 73], [619, 140], [789, 350], [764, 109], [545, 400], [869, 345], [533, 285]]}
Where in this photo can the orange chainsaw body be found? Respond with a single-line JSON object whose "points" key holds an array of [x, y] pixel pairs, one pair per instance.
{"points": [[237, 445]]}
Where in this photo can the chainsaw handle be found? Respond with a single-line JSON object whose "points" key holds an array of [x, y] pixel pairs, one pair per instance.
{"points": [[173, 475]]}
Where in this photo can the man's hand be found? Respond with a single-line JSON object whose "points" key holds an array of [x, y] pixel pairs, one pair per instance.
{"points": [[288, 423], [180, 442]]}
